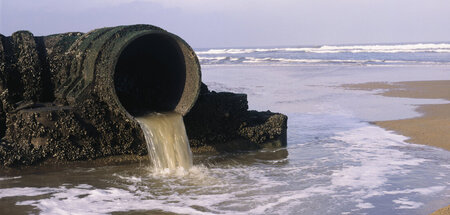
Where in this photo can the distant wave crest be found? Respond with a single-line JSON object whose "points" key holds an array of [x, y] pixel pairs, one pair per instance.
{"points": [[268, 60], [420, 47]]}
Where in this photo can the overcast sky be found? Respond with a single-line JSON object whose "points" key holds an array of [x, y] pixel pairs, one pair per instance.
{"points": [[237, 23]]}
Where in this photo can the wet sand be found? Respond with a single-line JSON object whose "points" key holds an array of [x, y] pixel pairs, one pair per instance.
{"points": [[430, 129], [442, 211]]}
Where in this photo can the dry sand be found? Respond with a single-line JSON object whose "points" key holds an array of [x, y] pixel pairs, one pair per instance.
{"points": [[433, 128]]}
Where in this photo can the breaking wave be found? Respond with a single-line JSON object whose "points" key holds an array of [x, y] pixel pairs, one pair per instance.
{"points": [[270, 60], [422, 53], [409, 48]]}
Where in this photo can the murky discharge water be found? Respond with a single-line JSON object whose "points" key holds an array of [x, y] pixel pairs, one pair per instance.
{"points": [[167, 142]]}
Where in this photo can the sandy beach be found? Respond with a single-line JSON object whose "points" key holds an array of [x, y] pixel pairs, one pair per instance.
{"points": [[429, 129]]}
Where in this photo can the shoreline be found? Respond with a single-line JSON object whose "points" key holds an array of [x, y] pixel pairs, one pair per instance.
{"points": [[429, 129]]}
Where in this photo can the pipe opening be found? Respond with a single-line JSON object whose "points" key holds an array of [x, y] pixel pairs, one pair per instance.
{"points": [[150, 74]]}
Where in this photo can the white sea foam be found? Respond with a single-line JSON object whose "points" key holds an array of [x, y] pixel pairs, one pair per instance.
{"points": [[371, 147], [364, 205], [101, 201], [291, 197], [132, 179], [73, 200], [421, 47], [370, 155], [220, 60], [234, 51], [405, 203], [9, 178], [26, 191], [272, 60], [422, 191], [287, 60], [407, 48]]}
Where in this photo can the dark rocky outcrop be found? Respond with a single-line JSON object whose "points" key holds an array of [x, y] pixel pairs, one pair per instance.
{"points": [[221, 121], [58, 100]]}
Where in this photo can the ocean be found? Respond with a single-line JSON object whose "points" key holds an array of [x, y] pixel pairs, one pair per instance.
{"points": [[383, 54], [335, 162]]}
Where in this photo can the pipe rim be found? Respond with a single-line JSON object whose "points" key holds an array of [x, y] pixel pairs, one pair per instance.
{"points": [[192, 67]]}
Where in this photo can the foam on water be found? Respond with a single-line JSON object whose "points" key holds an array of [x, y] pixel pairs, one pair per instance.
{"points": [[268, 60], [405, 203], [26, 191], [371, 147], [394, 54], [354, 166], [9, 178], [396, 48]]}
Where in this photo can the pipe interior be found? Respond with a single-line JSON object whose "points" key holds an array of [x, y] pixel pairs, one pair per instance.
{"points": [[150, 74]]}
